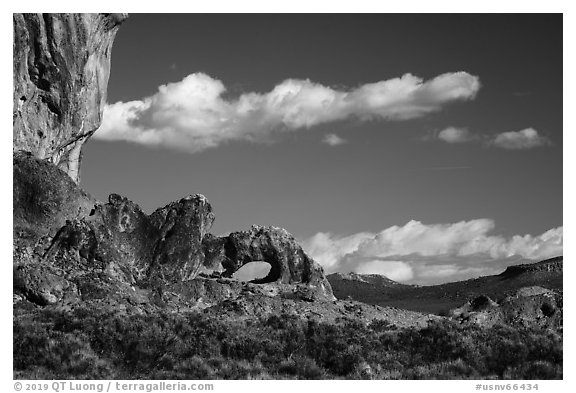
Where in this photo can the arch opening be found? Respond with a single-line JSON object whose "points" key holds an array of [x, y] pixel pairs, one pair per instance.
{"points": [[256, 272]]}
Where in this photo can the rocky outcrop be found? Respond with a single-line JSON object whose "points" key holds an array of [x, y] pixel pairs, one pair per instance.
{"points": [[119, 239], [254, 303], [66, 242], [57, 223], [552, 265], [61, 70], [289, 263], [41, 284], [178, 253], [528, 307], [116, 238]]}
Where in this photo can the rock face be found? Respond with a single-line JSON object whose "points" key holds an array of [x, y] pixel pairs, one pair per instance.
{"points": [[546, 266], [61, 70], [289, 263]]}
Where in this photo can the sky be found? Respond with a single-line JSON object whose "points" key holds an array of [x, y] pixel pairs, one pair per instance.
{"points": [[424, 147]]}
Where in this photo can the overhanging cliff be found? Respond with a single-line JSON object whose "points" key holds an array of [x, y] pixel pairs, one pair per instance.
{"points": [[61, 70]]}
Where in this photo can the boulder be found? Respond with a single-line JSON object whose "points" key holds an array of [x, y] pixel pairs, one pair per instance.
{"points": [[178, 253], [61, 69], [44, 198], [41, 284]]}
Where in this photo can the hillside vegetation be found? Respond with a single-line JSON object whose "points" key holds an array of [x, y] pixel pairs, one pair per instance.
{"points": [[97, 344]]}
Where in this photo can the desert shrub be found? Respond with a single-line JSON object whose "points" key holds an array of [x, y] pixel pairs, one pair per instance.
{"points": [[56, 355], [537, 369], [301, 367], [338, 348], [381, 325], [453, 369], [88, 343]]}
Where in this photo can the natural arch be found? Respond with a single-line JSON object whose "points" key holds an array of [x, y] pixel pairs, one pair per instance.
{"points": [[256, 272], [289, 263]]}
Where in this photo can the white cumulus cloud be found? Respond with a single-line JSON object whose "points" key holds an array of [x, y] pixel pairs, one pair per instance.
{"points": [[516, 140], [333, 140], [328, 249], [527, 138], [429, 252], [455, 135], [193, 115]]}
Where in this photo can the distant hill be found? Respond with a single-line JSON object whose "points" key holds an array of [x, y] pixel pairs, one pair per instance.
{"points": [[372, 279], [380, 290]]}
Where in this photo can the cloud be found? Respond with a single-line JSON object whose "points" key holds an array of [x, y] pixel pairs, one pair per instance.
{"points": [[455, 135], [512, 140], [333, 140], [328, 249], [193, 115], [516, 140], [430, 253]]}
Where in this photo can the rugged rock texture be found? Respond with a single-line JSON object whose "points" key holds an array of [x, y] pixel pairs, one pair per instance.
{"points": [[44, 198], [41, 284], [116, 238], [68, 247], [255, 303], [552, 265], [61, 69], [178, 254], [289, 263], [119, 239], [530, 306]]}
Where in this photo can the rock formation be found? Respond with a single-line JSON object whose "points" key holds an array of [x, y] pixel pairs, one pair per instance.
{"points": [[67, 245], [545, 266], [289, 263], [61, 69]]}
